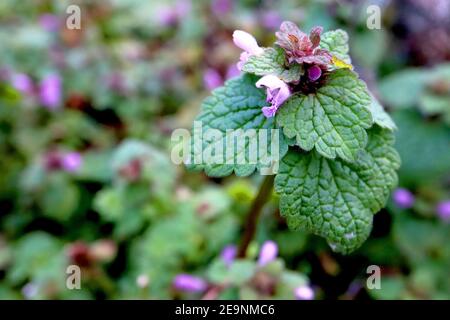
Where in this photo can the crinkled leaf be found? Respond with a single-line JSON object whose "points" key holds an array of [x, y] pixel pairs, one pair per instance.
{"points": [[333, 120], [335, 199], [272, 61], [336, 42], [235, 106], [381, 117]]}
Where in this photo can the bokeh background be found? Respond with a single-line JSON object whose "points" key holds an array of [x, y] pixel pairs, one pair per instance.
{"points": [[86, 178]]}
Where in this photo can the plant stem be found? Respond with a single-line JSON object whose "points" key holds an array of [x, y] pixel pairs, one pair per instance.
{"points": [[254, 213]]}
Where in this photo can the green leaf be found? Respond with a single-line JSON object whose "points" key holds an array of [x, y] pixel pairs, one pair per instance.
{"points": [[241, 271], [333, 120], [381, 117], [423, 147], [156, 165], [404, 89], [235, 106], [369, 47], [336, 42], [272, 61], [60, 199], [335, 199]]}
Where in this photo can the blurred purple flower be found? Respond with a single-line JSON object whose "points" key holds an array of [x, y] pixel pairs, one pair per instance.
{"points": [[271, 19], [166, 16], [403, 198], [49, 22], [228, 254], [221, 7], [71, 161], [232, 72], [277, 92], [248, 43], [50, 91], [169, 16], [212, 79], [116, 82], [183, 8], [188, 283], [268, 252], [30, 290], [304, 293], [443, 210], [22, 83], [314, 72]]}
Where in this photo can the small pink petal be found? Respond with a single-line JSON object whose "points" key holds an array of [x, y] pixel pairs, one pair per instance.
{"points": [[212, 79], [304, 293], [271, 82], [269, 112], [268, 253], [246, 42], [314, 36]]}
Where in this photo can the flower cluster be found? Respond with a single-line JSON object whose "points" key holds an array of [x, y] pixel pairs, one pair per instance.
{"points": [[66, 161], [48, 91], [299, 49], [193, 284]]}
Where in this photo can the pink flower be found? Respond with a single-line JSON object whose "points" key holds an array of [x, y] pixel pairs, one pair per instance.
{"points": [[188, 283], [71, 161], [248, 43], [228, 254], [212, 79], [142, 281], [277, 92], [232, 71], [168, 16], [50, 91], [271, 20], [49, 22], [22, 83], [443, 210], [221, 7], [403, 198], [304, 293], [300, 47], [268, 253]]}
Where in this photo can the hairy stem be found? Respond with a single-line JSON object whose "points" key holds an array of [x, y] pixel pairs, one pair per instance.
{"points": [[254, 213]]}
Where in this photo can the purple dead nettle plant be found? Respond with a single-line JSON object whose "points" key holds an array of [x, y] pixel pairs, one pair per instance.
{"points": [[248, 43], [336, 164], [299, 48]]}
